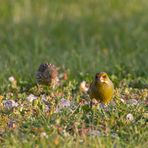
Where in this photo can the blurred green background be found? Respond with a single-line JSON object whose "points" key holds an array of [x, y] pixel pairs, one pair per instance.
{"points": [[84, 36]]}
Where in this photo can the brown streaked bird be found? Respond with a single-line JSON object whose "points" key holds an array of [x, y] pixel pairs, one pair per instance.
{"points": [[101, 88], [47, 74]]}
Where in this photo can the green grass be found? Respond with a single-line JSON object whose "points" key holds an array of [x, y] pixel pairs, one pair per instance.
{"points": [[84, 37]]}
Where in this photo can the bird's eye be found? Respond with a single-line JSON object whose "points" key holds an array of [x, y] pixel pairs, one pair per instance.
{"points": [[104, 77], [96, 77]]}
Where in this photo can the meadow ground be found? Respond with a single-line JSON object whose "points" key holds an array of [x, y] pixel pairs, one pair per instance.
{"points": [[82, 37]]}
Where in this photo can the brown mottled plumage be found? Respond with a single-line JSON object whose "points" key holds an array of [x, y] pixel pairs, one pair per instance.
{"points": [[101, 88], [47, 74]]}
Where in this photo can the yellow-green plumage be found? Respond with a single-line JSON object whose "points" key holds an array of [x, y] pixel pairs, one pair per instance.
{"points": [[102, 88]]}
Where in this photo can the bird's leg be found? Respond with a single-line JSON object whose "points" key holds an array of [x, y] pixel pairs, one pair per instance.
{"points": [[93, 103]]}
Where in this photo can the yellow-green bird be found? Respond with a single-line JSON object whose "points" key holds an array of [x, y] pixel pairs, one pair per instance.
{"points": [[102, 88]]}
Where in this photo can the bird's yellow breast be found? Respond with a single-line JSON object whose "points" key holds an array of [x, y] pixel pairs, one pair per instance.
{"points": [[102, 92]]}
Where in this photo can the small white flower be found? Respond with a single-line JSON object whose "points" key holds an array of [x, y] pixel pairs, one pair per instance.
{"points": [[95, 133], [83, 87], [9, 104], [129, 117], [103, 106], [11, 79], [113, 103], [44, 134], [43, 98], [132, 102], [64, 103], [114, 135], [31, 97], [122, 100], [81, 140]]}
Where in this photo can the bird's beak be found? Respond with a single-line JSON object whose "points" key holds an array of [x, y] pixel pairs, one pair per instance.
{"points": [[102, 80]]}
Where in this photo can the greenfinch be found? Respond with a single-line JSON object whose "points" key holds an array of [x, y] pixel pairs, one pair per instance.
{"points": [[102, 88]]}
